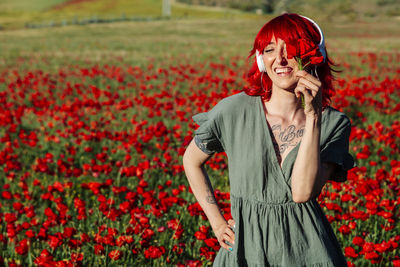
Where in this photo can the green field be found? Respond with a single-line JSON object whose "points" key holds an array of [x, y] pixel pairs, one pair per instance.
{"points": [[17, 14], [138, 43], [79, 103]]}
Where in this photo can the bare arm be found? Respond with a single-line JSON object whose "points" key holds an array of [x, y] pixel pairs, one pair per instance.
{"points": [[309, 175], [193, 163]]}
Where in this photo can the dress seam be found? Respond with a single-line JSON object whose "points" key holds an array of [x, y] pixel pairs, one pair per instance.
{"points": [[268, 203]]}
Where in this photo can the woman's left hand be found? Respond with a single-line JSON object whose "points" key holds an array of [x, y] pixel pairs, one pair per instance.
{"points": [[310, 87]]}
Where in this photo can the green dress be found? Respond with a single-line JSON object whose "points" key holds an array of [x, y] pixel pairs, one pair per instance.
{"points": [[271, 229]]}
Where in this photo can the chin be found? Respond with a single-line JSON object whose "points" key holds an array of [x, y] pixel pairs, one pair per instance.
{"points": [[287, 85]]}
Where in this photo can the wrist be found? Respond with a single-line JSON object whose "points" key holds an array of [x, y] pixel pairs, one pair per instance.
{"points": [[314, 119], [215, 224]]}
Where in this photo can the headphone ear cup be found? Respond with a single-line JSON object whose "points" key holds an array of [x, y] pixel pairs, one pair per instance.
{"points": [[260, 62]]}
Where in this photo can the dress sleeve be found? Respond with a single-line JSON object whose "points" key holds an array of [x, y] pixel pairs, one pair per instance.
{"points": [[208, 136], [336, 150]]}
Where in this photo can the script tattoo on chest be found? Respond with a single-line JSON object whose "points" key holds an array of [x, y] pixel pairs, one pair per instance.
{"points": [[286, 138]]}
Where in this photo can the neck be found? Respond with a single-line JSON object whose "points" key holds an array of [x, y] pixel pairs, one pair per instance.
{"points": [[283, 104]]}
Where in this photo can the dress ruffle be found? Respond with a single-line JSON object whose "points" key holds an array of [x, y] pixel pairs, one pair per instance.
{"points": [[289, 234], [344, 161]]}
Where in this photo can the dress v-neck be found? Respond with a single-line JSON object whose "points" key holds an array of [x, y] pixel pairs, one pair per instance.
{"points": [[271, 143]]}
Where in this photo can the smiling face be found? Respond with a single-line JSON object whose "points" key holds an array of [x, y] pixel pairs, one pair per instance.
{"points": [[280, 69]]}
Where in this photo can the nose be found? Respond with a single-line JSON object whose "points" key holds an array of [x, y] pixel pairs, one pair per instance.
{"points": [[282, 55]]}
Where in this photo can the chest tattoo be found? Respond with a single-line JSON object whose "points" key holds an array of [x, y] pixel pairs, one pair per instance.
{"points": [[286, 138]]}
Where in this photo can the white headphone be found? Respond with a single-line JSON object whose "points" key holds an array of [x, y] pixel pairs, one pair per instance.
{"points": [[321, 47]]}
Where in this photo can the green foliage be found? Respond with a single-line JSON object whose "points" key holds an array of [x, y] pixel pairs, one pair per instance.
{"points": [[386, 2], [393, 12], [99, 11], [28, 5], [50, 13]]}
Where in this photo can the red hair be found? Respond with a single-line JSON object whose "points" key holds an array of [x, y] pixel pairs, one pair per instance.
{"points": [[289, 27]]}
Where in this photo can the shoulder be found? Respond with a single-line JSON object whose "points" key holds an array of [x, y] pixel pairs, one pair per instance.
{"points": [[333, 117], [335, 124], [235, 103], [225, 108]]}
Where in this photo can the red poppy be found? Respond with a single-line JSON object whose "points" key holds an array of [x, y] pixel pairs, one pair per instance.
{"points": [[154, 252], [98, 249], [22, 247], [350, 252], [345, 229], [358, 241], [200, 235], [373, 256], [54, 241], [316, 60], [76, 257], [115, 255], [291, 50]]}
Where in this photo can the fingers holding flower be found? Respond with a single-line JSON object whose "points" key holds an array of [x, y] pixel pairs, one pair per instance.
{"points": [[309, 81], [309, 87], [307, 54]]}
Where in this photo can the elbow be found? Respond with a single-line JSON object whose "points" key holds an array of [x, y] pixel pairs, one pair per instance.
{"points": [[301, 197], [186, 160]]}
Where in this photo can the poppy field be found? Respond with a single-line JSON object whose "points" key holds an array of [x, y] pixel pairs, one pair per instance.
{"points": [[91, 162]]}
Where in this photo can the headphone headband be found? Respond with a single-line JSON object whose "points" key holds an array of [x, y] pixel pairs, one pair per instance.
{"points": [[321, 44]]}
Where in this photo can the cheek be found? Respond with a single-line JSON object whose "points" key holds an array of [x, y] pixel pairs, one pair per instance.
{"points": [[293, 62], [268, 62]]}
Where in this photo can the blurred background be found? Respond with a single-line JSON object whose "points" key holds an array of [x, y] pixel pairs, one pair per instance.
{"points": [[136, 31]]}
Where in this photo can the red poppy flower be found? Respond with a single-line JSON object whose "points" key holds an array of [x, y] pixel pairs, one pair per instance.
{"points": [[345, 229], [373, 256], [358, 241], [76, 257], [115, 254], [316, 60], [200, 235], [350, 252], [291, 50], [98, 249], [154, 252], [22, 247], [54, 241]]}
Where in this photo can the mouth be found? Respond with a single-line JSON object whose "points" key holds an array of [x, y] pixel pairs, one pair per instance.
{"points": [[285, 71]]}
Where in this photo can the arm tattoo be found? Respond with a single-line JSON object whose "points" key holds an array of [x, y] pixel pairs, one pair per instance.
{"points": [[202, 146], [210, 198]]}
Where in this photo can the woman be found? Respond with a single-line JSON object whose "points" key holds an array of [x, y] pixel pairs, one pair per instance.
{"points": [[283, 143]]}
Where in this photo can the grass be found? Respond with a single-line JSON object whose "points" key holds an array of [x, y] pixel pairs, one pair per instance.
{"points": [[16, 16], [28, 5], [138, 43]]}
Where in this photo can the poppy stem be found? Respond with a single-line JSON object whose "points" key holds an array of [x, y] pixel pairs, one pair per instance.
{"points": [[300, 66]]}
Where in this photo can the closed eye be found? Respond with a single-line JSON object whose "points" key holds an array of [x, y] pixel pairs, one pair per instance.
{"points": [[268, 50]]}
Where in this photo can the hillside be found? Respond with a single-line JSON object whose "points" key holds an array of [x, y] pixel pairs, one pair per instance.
{"points": [[48, 13], [334, 8], [22, 13]]}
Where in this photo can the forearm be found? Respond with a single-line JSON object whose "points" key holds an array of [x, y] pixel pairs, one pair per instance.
{"points": [[203, 191], [305, 180]]}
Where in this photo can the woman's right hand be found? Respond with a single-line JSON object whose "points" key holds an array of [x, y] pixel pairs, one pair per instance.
{"points": [[224, 232]]}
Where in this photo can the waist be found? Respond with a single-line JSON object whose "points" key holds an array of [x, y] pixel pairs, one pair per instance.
{"points": [[237, 199]]}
